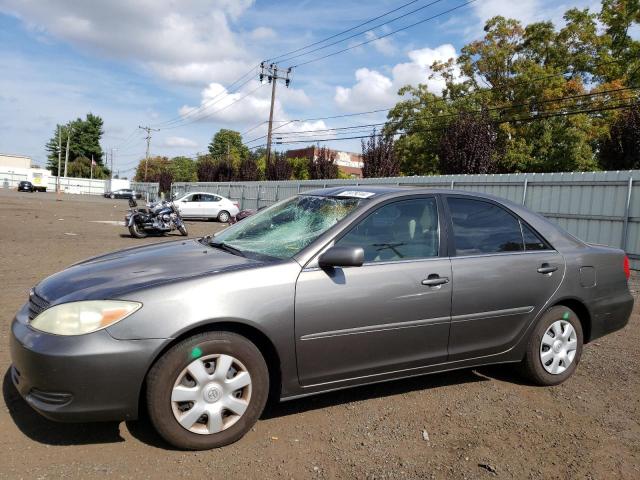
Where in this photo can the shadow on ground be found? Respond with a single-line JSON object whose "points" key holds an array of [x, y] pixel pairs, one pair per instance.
{"points": [[44, 431], [41, 430]]}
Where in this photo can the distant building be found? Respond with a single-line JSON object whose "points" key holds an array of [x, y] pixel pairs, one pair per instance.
{"points": [[8, 160], [349, 163]]}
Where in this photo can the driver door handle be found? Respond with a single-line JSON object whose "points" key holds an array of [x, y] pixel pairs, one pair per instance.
{"points": [[546, 268], [434, 280]]}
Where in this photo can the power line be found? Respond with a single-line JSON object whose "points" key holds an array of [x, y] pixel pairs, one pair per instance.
{"points": [[215, 111], [210, 102], [341, 33], [496, 108], [457, 7], [289, 58], [530, 118], [442, 100]]}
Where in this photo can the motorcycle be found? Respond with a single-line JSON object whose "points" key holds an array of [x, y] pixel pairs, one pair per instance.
{"points": [[161, 217]]}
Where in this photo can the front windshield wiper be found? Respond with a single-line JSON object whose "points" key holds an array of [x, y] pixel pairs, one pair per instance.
{"points": [[227, 248]]}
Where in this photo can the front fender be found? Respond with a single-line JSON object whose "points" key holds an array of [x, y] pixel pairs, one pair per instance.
{"points": [[132, 219]]}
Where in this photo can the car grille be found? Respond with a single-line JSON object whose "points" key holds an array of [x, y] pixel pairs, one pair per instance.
{"points": [[37, 305]]}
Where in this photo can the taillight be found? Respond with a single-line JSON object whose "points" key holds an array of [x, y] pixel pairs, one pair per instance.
{"points": [[627, 267]]}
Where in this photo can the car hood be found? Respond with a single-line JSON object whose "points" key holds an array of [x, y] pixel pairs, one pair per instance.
{"points": [[118, 273]]}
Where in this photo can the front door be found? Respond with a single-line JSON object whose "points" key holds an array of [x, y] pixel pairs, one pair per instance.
{"points": [[504, 274], [189, 206], [390, 314]]}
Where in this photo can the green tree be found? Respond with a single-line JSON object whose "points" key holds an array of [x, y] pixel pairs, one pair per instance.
{"points": [[532, 80], [184, 169], [228, 144], [84, 141], [151, 170], [299, 168]]}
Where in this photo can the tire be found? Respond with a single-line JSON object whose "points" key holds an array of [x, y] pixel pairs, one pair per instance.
{"points": [[137, 232], [223, 216], [183, 230], [174, 367], [112, 196], [542, 358]]}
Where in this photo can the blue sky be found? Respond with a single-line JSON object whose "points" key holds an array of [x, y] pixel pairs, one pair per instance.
{"points": [[155, 61]]}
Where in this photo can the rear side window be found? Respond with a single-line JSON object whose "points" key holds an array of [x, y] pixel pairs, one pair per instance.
{"points": [[483, 228], [403, 230], [531, 239]]}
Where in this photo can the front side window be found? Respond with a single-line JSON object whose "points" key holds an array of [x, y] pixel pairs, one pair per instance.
{"points": [[285, 229], [402, 230], [483, 228]]}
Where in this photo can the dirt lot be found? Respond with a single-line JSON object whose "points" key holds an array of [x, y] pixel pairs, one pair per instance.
{"points": [[468, 424]]}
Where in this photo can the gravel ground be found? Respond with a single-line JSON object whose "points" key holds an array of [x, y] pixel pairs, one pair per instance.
{"points": [[481, 423]]}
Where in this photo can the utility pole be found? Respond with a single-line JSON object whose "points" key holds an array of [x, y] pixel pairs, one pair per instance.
{"points": [[111, 169], [271, 72], [59, 158], [148, 139], [66, 157]]}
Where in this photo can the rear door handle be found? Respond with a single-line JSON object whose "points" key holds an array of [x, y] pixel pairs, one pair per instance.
{"points": [[546, 268], [434, 280]]}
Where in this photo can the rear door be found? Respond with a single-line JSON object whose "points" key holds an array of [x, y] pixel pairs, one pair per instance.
{"points": [[504, 273], [208, 205], [390, 314]]}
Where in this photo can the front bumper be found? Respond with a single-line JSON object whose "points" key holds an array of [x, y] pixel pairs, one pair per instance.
{"points": [[91, 377]]}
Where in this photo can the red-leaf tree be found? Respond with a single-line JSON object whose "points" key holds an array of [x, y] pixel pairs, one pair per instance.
{"points": [[468, 145], [379, 157]]}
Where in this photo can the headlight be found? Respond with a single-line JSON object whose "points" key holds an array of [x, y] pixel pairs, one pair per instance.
{"points": [[78, 318]]}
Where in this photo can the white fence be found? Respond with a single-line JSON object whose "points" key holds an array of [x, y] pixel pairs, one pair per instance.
{"points": [[79, 186]]}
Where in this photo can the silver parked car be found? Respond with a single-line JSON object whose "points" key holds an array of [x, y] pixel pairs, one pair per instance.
{"points": [[329, 289], [207, 205]]}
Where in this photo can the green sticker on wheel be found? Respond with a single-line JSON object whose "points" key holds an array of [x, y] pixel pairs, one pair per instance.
{"points": [[565, 316], [196, 352]]}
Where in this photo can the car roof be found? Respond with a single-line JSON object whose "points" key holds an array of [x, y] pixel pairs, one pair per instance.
{"points": [[376, 191], [200, 193]]}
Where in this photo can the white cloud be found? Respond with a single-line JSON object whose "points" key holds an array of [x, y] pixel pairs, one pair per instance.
{"points": [[249, 105], [523, 10], [182, 41], [263, 33], [383, 45], [374, 90], [179, 142]]}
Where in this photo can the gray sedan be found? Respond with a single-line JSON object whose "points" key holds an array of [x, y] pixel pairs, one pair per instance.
{"points": [[329, 289]]}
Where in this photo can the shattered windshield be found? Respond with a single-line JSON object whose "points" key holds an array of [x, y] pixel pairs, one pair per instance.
{"points": [[285, 229]]}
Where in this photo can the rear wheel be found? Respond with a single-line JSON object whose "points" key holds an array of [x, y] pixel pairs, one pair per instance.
{"points": [[554, 348], [207, 391], [136, 231], [223, 216]]}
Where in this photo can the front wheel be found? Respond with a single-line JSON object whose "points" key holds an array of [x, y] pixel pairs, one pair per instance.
{"points": [[183, 230], [554, 348], [223, 216], [207, 391], [112, 196], [137, 231]]}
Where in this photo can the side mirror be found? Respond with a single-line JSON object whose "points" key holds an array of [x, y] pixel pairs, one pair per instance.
{"points": [[133, 203], [342, 256]]}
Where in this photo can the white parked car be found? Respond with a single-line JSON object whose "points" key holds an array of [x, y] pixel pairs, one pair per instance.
{"points": [[206, 205]]}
